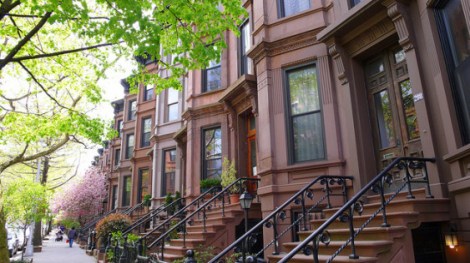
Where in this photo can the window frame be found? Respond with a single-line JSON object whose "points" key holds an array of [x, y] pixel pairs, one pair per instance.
{"points": [[119, 125], [114, 197], [243, 58], [168, 105], [131, 115], [128, 154], [148, 93], [282, 11], [124, 192], [143, 142], [117, 157], [163, 190], [441, 22], [140, 183], [203, 150], [205, 73], [289, 117], [352, 3]]}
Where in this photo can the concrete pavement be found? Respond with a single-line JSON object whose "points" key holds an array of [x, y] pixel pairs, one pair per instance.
{"points": [[60, 252]]}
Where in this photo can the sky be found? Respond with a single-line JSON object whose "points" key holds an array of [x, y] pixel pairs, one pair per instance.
{"points": [[112, 90]]}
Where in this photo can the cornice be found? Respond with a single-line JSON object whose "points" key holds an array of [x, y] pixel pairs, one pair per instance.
{"points": [[200, 111], [278, 47]]}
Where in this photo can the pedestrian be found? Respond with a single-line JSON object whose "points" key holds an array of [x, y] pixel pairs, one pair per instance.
{"points": [[72, 235]]}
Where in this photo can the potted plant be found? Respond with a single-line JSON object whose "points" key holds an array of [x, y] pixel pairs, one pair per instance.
{"points": [[147, 201], [228, 176], [208, 183]]}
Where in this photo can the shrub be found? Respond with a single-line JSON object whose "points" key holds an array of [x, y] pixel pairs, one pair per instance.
{"points": [[112, 223], [209, 182], [229, 175]]}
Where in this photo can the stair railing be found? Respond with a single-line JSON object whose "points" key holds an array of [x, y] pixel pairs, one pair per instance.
{"points": [[201, 211], [131, 210], [154, 213], [163, 226], [415, 171], [301, 198], [85, 233]]}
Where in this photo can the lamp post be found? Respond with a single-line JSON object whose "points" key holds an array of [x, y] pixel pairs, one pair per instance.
{"points": [[245, 203]]}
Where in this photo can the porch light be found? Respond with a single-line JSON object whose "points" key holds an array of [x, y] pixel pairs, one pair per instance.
{"points": [[451, 239]]}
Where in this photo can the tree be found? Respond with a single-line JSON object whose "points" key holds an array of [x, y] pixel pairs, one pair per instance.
{"points": [[54, 52], [82, 199], [25, 202]]}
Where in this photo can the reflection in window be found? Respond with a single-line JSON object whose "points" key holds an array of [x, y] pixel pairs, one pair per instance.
{"points": [[172, 104], [409, 110], [126, 193], [114, 197], [148, 93], [290, 7], [132, 110], [129, 145], [384, 118], [353, 3], [456, 31], [212, 155], [305, 122], [246, 64], [146, 132], [212, 76], [143, 184], [169, 168]]}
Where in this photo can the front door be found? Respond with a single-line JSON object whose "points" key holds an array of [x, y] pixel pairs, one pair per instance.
{"points": [[251, 145], [391, 103]]}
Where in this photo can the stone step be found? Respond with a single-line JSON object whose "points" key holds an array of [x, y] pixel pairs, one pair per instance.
{"points": [[300, 258], [367, 234], [371, 248]]}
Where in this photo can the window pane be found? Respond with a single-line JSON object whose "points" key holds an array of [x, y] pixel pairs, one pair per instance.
{"points": [[132, 110], [148, 93], [308, 137], [213, 78], [303, 90], [399, 56], [144, 184], [147, 125], [291, 7], [126, 196], [212, 153], [375, 67], [172, 95], [409, 110], [117, 157], [172, 112], [130, 145], [115, 197], [457, 27], [384, 119], [169, 168], [355, 2]]}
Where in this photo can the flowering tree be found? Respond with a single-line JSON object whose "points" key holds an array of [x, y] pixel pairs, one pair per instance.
{"points": [[82, 199]]}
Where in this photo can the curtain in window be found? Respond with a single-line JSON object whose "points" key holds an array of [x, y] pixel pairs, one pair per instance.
{"points": [[295, 6]]}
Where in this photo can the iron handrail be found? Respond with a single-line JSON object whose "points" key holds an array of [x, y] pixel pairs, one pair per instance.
{"points": [[202, 208], [346, 212], [179, 213], [326, 180], [131, 210], [150, 215]]}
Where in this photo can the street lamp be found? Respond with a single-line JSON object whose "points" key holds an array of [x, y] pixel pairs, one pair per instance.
{"points": [[245, 203]]}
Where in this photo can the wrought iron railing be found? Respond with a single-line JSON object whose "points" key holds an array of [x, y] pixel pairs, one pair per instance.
{"points": [[152, 215], [131, 210], [220, 200], [305, 200], [85, 233], [412, 170]]}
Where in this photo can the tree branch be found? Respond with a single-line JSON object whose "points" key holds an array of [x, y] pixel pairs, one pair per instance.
{"points": [[7, 6], [25, 40], [71, 18], [58, 53]]}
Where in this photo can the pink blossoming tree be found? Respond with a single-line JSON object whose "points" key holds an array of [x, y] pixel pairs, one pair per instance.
{"points": [[82, 199]]}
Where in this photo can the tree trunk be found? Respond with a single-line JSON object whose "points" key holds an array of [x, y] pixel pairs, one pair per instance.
{"points": [[4, 254]]}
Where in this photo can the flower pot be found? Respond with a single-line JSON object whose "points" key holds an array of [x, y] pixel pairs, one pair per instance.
{"points": [[234, 198]]}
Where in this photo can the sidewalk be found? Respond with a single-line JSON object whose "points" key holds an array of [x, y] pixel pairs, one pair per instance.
{"points": [[60, 252]]}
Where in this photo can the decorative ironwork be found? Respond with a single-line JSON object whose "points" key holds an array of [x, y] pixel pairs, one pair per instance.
{"points": [[333, 187], [414, 171]]}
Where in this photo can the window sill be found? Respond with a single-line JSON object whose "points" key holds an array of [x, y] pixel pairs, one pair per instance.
{"points": [[458, 154]]}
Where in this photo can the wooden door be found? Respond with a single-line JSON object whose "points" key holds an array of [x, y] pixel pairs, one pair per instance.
{"points": [[391, 103], [251, 151]]}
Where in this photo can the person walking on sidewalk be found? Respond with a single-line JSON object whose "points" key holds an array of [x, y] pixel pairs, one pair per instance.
{"points": [[72, 235]]}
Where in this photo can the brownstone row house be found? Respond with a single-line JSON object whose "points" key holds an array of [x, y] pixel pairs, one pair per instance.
{"points": [[330, 87]]}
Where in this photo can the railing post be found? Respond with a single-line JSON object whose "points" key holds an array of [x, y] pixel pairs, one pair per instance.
{"points": [[384, 209], [276, 245], [408, 180], [352, 233], [328, 190], [304, 212], [426, 178], [204, 218]]}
